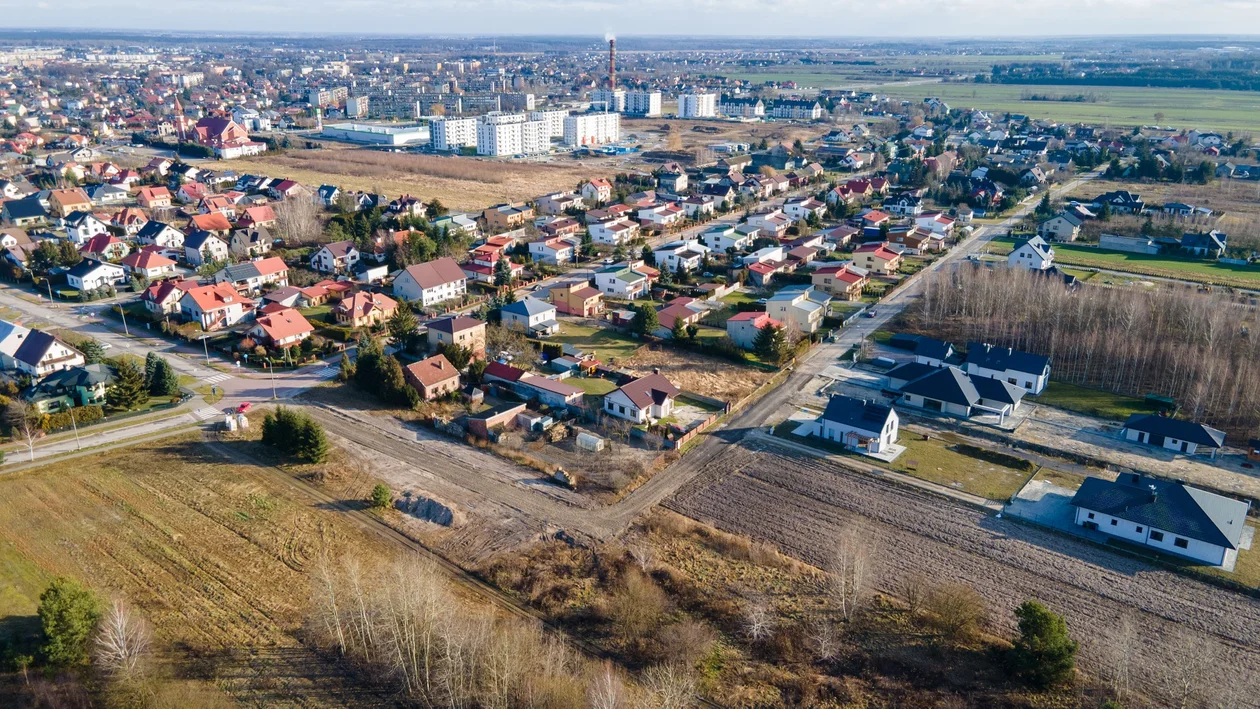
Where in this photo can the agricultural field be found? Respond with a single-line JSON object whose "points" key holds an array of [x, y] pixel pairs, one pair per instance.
{"points": [[1117, 105], [460, 183], [657, 134], [860, 73], [214, 555]]}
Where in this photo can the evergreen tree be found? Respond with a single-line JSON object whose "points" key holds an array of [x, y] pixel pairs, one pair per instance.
{"points": [[1043, 207], [1044, 654], [150, 368], [380, 498], [647, 255], [312, 443], [128, 390], [771, 343], [68, 614], [68, 255], [457, 355], [402, 326], [503, 272], [645, 320], [346, 370], [165, 381], [679, 331], [93, 352]]}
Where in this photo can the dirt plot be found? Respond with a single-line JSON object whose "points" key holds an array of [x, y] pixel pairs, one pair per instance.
{"points": [[212, 554], [463, 183], [802, 505], [700, 373]]}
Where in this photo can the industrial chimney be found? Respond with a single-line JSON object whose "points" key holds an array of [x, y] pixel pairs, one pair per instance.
{"points": [[612, 63]]}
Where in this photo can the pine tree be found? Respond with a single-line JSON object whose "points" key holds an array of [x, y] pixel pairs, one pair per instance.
{"points": [[128, 390], [68, 614], [311, 445], [679, 331], [1044, 654], [645, 319], [346, 371], [93, 352], [503, 272], [165, 380], [771, 343], [150, 368], [402, 326]]}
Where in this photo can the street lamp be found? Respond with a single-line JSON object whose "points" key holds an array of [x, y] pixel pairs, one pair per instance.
{"points": [[75, 426], [272, 369], [205, 347]]}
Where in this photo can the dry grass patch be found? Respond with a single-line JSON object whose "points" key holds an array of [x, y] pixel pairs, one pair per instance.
{"points": [[458, 182], [699, 373]]}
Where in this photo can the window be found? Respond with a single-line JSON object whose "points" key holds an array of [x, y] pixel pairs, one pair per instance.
{"points": [[1028, 385], [1139, 530], [1012, 380], [1157, 536], [1180, 543], [1114, 522], [1091, 515]]}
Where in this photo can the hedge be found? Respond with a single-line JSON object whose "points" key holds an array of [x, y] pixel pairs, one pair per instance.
{"points": [[62, 419]]}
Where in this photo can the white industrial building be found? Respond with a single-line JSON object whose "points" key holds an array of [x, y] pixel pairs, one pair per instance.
{"points": [[697, 105], [453, 133], [592, 129], [371, 134], [554, 120], [643, 103]]}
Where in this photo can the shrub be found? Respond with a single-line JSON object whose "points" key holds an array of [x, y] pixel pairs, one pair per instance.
{"points": [[68, 614], [995, 457], [62, 419], [380, 497], [1044, 654], [295, 434], [957, 611]]}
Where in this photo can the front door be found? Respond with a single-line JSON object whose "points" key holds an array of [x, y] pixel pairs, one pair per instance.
{"points": [[1157, 440]]}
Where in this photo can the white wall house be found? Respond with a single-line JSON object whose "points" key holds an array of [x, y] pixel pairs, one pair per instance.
{"points": [[858, 424], [430, 283], [1174, 434], [803, 307], [724, 236], [531, 315], [1034, 254], [643, 400], [621, 281], [687, 254], [1028, 371], [90, 274], [1168, 516]]}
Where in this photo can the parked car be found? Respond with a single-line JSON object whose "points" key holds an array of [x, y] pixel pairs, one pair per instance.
{"points": [[244, 407]]}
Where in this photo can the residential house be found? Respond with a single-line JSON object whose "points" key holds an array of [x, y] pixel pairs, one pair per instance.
{"points": [[130, 219], [91, 274], [744, 327], [469, 333], [11, 337], [149, 265], [558, 226], [431, 283], [215, 306], [558, 203], [154, 197], [286, 189], [162, 297], [1063, 226], [548, 391], [557, 251], [597, 191], [877, 258], [859, 424], [281, 328], [626, 280], [721, 237], [643, 400], [838, 236], [160, 234], [532, 316], [842, 282], [686, 255], [613, 232], [433, 377], [700, 206], [927, 350], [68, 388], [1033, 253], [1121, 202], [1022, 369], [24, 212], [662, 217], [65, 202], [773, 223], [799, 209], [364, 309], [337, 257], [506, 217], [1174, 434], [949, 390], [105, 247], [799, 307], [250, 243], [327, 195], [202, 247], [1210, 245], [107, 194], [84, 226], [1169, 516], [906, 204], [260, 217], [577, 299], [936, 222], [41, 354], [214, 222], [683, 310], [251, 277]]}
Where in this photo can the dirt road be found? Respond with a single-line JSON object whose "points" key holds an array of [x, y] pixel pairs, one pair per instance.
{"points": [[803, 504]]}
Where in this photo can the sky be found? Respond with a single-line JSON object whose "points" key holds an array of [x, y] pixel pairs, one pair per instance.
{"points": [[801, 18]]}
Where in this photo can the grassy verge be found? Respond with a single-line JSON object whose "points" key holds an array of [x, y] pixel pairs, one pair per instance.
{"points": [[1093, 402]]}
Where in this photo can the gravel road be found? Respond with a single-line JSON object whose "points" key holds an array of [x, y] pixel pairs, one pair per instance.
{"points": [[802, 504]]}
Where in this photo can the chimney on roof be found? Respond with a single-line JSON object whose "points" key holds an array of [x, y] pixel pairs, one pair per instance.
{"points": [[656, 370], [1154, 492]]}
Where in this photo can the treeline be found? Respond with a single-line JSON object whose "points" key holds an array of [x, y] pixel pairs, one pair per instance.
{"points": [[1174, 342], [1233, 77], [1072, 98]]}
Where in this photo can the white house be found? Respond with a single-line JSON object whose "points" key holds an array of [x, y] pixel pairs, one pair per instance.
{"points": [[160, 234], [41, 354], [1061, 227], [12, 336], [551, 251], [531, 315], [743, 328], [662, 216], [1169, 516], [686, 254], [1174, 434], [90, 274], [597, 191], [770, 253], [430, 283], [773, 223], [948, 390], [801, 307], [721, 237], [858, 424], [622, 280], [799, 209], [643, 400], [202, 247], [1028, 371], [613, 232], [1034, 254], [82, 226], [337, 257]]}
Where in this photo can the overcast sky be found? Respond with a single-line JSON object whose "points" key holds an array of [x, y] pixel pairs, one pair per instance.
{"points": [[813, 18]]}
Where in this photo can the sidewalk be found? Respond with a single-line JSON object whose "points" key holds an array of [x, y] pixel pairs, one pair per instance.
{"points": [[195, 414]]}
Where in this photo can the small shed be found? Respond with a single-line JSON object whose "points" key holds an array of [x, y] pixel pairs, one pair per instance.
{"points": [[590, 442]]}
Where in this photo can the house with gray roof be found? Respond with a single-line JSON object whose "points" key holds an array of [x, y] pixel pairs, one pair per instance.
{"points": [[1169, 516], [1174, 434], [949, 390], [859, 424], [1021, 369], [531, 315]]}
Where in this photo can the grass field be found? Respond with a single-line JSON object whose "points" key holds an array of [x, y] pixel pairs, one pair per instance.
{"points": [[1155, 265], [1093, 402], [214, 556], [607, 344], [595, 386], [1123, 106], [853, 75], [933, 461], [459, 183]]}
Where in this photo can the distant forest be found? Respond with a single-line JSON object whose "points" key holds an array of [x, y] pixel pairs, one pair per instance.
{"points": [[1231, 74]]}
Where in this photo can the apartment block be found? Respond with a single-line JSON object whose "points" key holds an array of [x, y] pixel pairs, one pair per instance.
{"points": [[553, 119], [453, 133], [697, 105], [592, 129]]}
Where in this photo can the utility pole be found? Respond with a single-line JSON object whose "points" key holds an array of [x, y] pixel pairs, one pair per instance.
{"points": [[123, 311], [205, 347], [75, 426]]}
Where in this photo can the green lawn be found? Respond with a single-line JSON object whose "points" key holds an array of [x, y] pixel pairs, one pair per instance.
{"points": [[595, 386], [1093, 402], [607, 344], [740, 297], [935, 462], [1157, 265], [319, 314]]}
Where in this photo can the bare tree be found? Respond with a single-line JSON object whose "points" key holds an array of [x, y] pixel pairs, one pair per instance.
{"points": [[758, 621], [824, 638], [23, 418], [670, 686], [297, 221], [122, 641], [1115, 653], [1187, 670], [959, 612], [607, 690], [914, 591], [847, 572], [642, 553]]}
